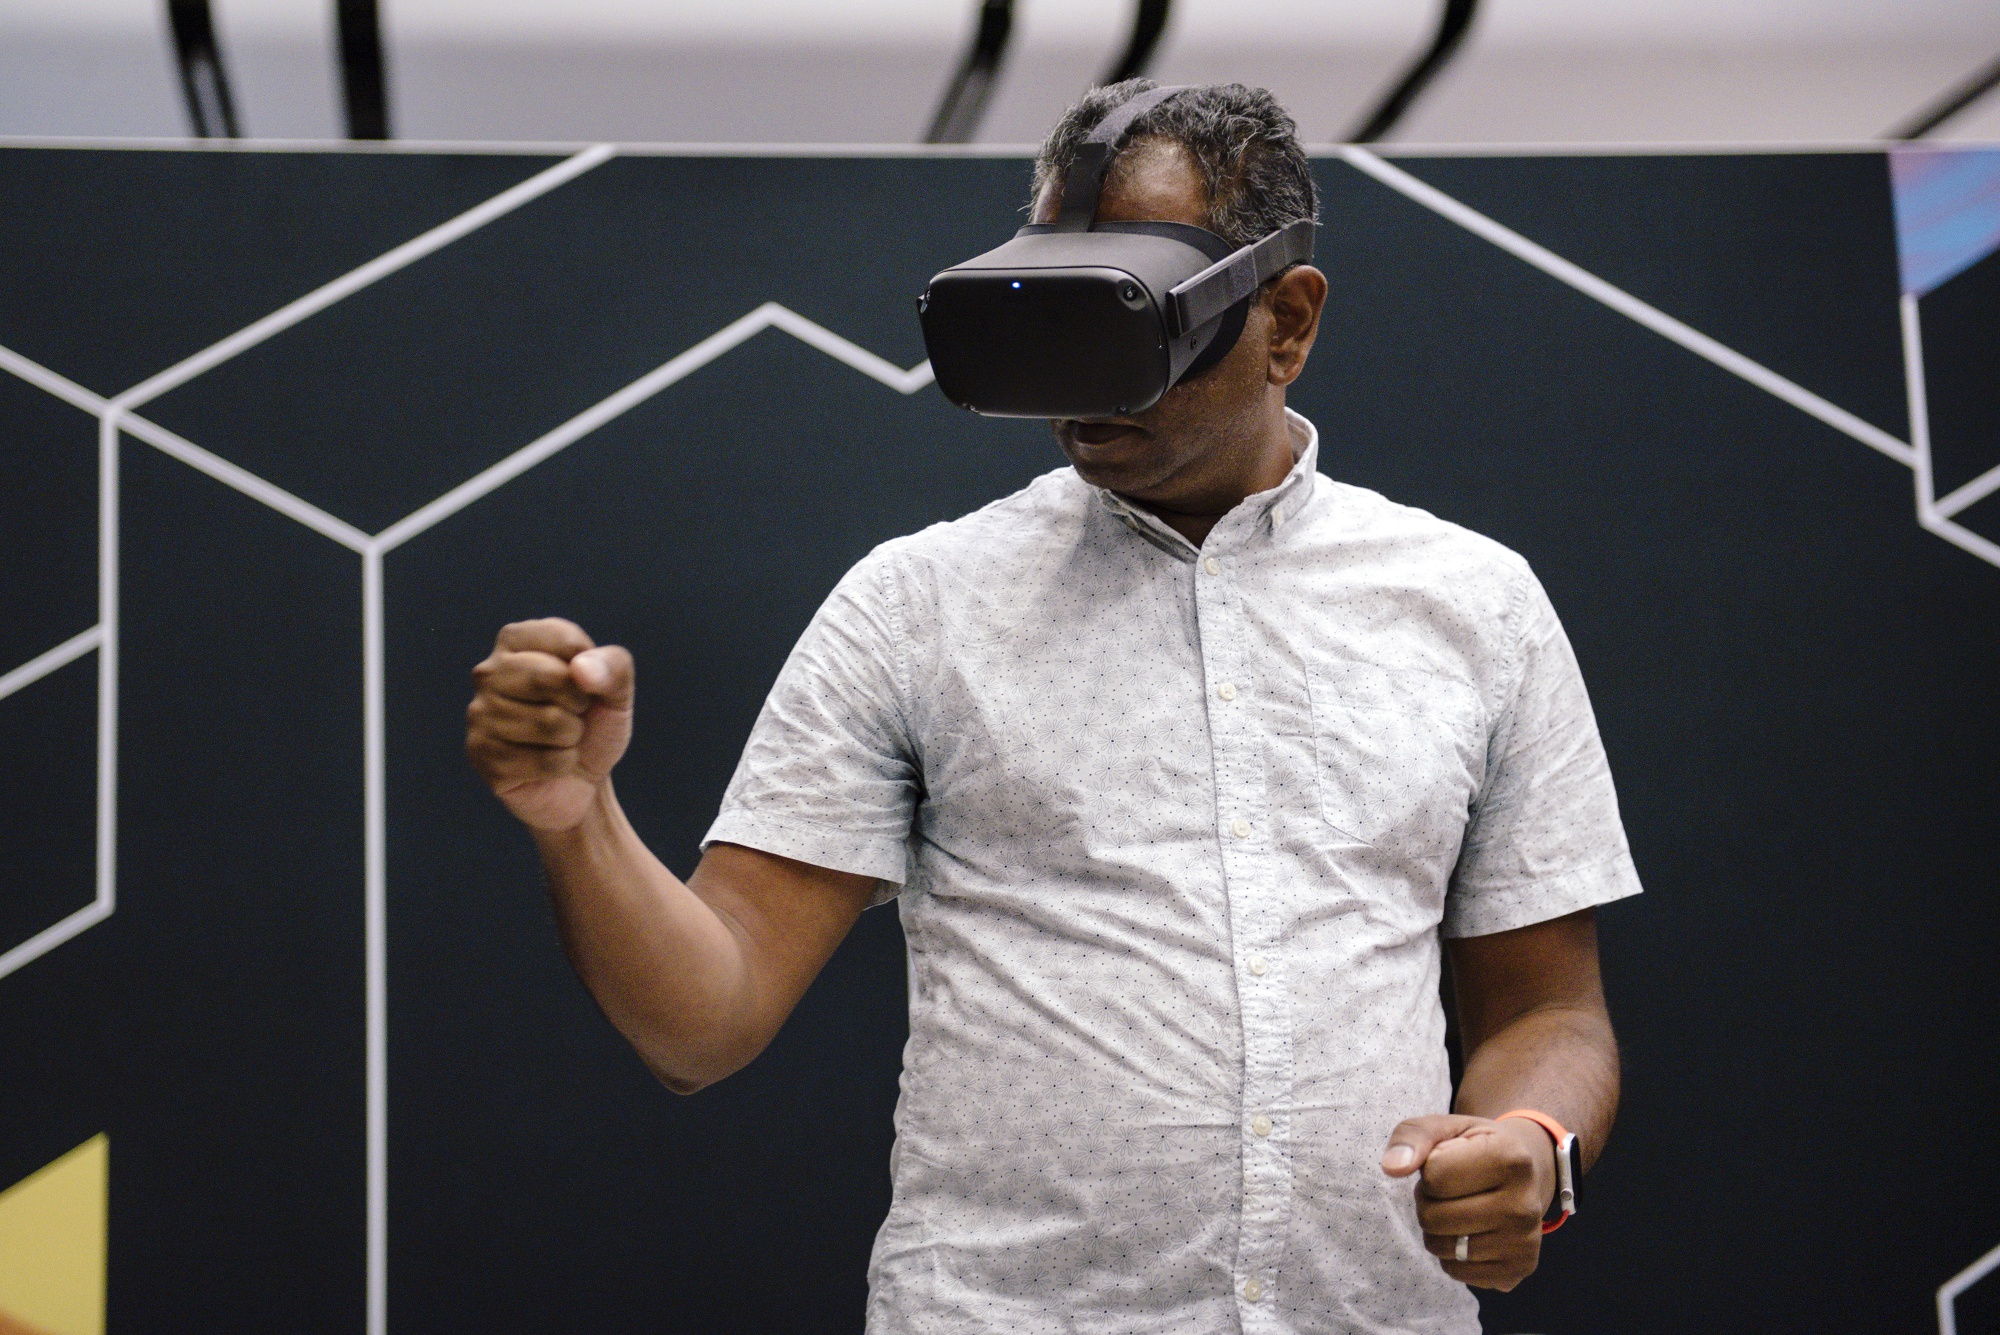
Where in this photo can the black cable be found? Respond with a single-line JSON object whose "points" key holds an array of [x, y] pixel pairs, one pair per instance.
{"points": [[1957, 100], [205, 84], [1451, 32], [964, 104], [361, 77], [1149, 21]]}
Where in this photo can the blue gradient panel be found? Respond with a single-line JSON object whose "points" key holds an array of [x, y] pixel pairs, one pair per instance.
{"points": [[1947, 211]]}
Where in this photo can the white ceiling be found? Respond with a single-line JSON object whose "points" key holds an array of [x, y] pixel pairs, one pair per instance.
{"points": [[1360, 22], [1725, 71]]}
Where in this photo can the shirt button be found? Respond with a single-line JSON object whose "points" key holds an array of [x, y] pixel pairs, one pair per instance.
{"points": [[1212, 566], [1227, 690], [1261, 1125], [1253, 1290], [1240, 828], [1258, 966], [1277, 520]]}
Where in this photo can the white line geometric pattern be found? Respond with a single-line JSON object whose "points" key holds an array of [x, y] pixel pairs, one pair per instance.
{"points": [[1932, 513], [1947, 1298], [117, 415], [99, 908], [41, 665]]}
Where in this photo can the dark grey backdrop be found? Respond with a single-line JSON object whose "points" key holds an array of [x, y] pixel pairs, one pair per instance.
{"points": [[1795, 682]]}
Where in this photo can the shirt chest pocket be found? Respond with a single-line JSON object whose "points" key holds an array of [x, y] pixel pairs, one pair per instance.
{"points": [[1398, 754]]}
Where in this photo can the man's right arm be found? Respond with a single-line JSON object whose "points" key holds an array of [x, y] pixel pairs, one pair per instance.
{"points": [[698, 975]]}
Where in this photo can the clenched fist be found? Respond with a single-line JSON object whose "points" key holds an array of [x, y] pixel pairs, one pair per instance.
{"points": [[1488, 1182], [550, 715]]}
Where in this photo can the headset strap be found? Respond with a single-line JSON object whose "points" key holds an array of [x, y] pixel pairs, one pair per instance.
{"points": [[1222, 284], [1093, 159]]}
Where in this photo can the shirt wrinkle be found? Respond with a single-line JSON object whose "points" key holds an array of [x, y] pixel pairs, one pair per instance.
{"points": [[1174, 845]]}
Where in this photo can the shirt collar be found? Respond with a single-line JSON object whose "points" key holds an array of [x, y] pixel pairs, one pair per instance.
{"points": [[1265, 512]]}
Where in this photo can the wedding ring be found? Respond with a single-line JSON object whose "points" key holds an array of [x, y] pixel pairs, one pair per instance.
{"points": [[1464, 1249]]}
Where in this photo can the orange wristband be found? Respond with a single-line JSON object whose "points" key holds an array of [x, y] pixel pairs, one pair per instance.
{"points": [[1543, 1120], [1565, 1188]]}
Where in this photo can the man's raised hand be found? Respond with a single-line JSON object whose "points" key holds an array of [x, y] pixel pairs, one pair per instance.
{"points": [[551, 713]]}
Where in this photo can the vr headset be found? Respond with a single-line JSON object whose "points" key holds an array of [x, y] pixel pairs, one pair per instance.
{"points": [[1078, 318]]}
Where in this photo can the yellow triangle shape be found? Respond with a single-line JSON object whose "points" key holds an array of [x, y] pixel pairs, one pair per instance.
{"points": [[52, 1245]]}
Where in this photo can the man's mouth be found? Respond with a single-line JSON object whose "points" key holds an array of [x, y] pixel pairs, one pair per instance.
{"points": [[1100, 433]]}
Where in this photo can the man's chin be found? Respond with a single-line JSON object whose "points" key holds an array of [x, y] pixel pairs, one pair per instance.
{"points": [[1125, 477], [1106, 454]]}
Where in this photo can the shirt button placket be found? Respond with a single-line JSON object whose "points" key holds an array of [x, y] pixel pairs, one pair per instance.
{"points": [[1255, 919]]}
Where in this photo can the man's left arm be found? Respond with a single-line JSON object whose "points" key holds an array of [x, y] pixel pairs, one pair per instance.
{"points": [[1536, 1035]]}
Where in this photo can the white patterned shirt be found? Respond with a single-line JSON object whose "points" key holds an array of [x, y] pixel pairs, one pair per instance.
{"points": [[1177, 832]]}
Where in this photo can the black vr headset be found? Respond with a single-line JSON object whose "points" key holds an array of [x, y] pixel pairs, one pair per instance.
{"points": [[1078, 318]]}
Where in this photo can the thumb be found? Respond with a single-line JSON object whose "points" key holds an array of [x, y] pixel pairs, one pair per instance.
{"points": [[606, 673], [1412, 1141]]}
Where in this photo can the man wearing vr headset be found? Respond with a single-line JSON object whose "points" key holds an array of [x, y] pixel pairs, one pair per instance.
{"points": [[1189, 765]]}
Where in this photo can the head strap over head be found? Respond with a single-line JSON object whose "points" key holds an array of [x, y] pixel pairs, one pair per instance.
{"points": [[1093, 159]]}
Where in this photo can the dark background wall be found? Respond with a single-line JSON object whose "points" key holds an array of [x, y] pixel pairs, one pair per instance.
{"points": [[1795, 681]]}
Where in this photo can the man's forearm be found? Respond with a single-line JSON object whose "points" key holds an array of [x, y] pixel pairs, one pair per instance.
{"points": [[668, 970], [1560, 1060]]}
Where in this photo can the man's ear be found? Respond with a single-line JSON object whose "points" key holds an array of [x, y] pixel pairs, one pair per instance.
{"points": [[1294, 300], [1047, 203]]}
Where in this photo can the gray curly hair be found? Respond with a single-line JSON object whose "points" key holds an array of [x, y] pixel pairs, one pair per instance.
{"points": [[1245, 145]]}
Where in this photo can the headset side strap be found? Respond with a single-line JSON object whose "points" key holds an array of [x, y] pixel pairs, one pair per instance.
{"points": [[1093, 159], [1222, 284]]}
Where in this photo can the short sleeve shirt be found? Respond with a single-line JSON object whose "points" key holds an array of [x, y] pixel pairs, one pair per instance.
{"points": [[1175, 832]]}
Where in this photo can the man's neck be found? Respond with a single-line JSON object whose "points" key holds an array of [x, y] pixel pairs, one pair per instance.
{"points": [[1194, 506]]}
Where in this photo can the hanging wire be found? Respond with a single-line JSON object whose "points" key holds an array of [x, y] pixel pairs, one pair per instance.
{"points": [[1958, 99], [1149, 22], [965, 99], [1452, 27], [205, 84], [362, 82]]}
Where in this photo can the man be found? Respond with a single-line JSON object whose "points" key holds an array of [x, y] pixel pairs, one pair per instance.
{"points": [[1183, 760]]}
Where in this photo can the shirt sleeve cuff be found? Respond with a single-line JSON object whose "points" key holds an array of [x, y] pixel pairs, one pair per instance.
{"points": [[1484, 912], [886, 860]]}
